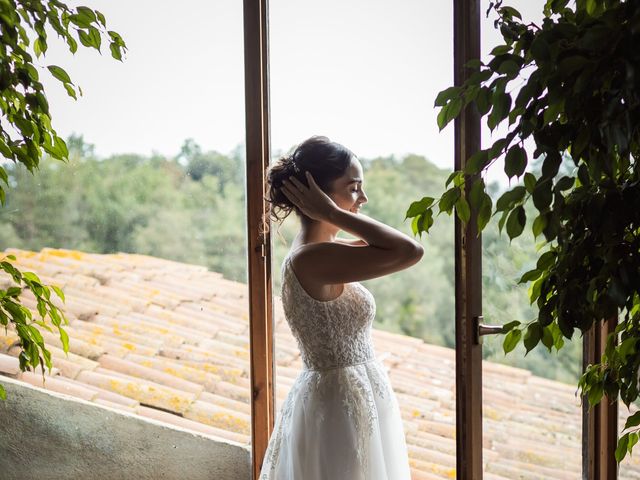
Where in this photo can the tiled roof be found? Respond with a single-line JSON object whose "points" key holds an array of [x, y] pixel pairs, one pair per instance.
{"points": [[170, 341]]}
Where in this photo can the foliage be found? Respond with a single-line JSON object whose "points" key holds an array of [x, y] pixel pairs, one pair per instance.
{"points": [[579, 103], [27, 131]]}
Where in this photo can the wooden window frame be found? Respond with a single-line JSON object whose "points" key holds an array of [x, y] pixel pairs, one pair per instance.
{"points": [[256, 66], [599, 425]]}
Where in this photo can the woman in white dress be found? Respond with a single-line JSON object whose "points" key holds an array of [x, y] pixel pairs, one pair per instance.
{"points": [[341, 419]]}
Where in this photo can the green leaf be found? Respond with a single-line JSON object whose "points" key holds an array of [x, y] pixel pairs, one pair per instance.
{"points": [[65, 339], [418, 207], [445, 95], [539, 224], [453, 175], [529, 182], [530, 276], [455, 107], [425, 221], [101, 18], [500, 50], [547, 338], [515, 161], [627, 347], [414, 224], [580, 143], [70, 90], [507, 327], [90, 38], [3, 393], [83, 18], [516, 222], [502, 220], [87, 14], [509, 198], [59, 292], [552, 111], [532, 337], [39, 46], [462, 209], [511, 340], [73, 45], [509, 68], [500, 110], [60, 74], [473, 64], [117, 53], [477, 162], [570, 65], [632, 421], [484, 214], [442, 117], [565, 183], [510, 12], [476, 192], [621, 449], [448, 199], [540, 50], [483, 100], [32, 277], [633, 439]]}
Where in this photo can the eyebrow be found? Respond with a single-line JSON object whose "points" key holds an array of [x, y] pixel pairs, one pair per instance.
{"points": [[355, 180]]}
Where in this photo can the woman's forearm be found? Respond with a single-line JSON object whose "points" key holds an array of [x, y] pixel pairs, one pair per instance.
{"points": [[375, 233]]}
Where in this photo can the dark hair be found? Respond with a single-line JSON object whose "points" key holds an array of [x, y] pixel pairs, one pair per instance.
{"points": [[324, 159]]}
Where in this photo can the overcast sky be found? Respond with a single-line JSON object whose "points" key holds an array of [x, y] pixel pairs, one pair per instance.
{"points": [[363, 72]]}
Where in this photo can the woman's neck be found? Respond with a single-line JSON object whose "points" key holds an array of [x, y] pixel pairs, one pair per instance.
{"points": [[314, 232]]}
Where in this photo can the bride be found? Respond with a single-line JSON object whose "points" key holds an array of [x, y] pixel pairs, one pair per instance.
{"points": [[341, 419]]}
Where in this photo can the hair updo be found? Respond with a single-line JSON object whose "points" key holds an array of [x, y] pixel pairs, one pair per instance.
{"points": [[324, 159]]}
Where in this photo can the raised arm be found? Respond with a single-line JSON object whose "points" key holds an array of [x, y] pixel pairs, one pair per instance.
{"points": [[387, 250]]}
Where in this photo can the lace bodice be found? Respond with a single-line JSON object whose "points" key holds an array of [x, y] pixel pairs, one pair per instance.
{"points": [[333, 333]]}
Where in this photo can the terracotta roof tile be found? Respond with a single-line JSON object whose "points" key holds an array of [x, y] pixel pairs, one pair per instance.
{"points": [[170, 341], [193, 425], [218, 416], [117, 406], [9, 365], [136, 370], [59, 384], [146, 392]]}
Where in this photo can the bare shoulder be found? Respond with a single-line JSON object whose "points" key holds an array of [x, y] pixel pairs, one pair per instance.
{"points": [[330, 263]]}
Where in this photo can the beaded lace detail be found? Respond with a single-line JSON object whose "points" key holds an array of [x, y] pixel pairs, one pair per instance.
{"points": [[334, 338], [333, 333]]}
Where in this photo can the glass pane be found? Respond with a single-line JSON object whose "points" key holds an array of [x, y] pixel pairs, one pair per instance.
{"points": [[144, 228], [532, 419], [366, 74]]}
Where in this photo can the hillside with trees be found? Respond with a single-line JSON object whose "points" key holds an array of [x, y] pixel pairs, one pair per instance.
{"points": [[191, 209]]}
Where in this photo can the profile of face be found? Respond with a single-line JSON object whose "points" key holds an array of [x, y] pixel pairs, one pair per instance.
{"points": [[348, 192]]}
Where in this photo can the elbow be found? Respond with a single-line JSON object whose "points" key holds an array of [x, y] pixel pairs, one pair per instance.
{"points": [[413, 252]]}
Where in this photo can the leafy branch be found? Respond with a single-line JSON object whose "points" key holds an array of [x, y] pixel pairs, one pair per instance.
{"points": [[579, 105], [26, 134]]}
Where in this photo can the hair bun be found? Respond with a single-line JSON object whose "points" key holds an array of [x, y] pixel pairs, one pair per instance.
{"points": [[293, 165]]}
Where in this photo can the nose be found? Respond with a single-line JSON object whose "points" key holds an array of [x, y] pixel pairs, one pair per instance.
{"points": [[363, 197]]}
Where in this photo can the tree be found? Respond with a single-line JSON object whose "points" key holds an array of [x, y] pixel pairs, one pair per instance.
{"points": [[580, 105], [28, 133]]}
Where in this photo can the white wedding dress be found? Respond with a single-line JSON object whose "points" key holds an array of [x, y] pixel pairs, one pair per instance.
{"points": [[341, 419]]}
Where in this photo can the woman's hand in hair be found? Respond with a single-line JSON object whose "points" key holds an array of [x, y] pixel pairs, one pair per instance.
{"points": [[311, 200]]}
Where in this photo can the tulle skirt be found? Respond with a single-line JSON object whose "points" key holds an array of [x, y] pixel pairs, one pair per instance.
{"points": [[340, 424]]}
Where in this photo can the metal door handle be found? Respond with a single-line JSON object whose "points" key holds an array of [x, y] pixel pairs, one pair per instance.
{"points": [[481, 329]]}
